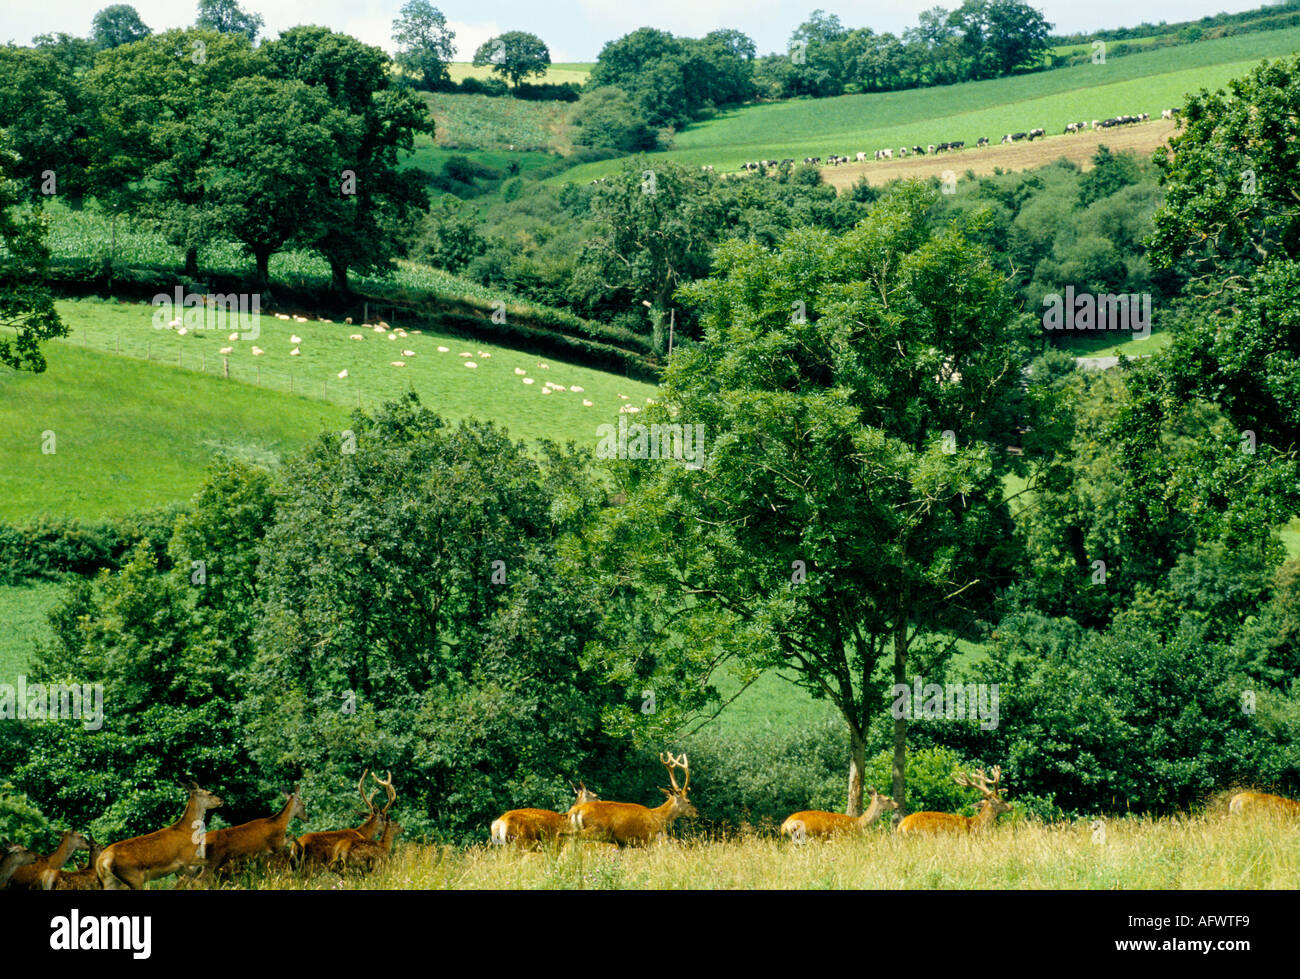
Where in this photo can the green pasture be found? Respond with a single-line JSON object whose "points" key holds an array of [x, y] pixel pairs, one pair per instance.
{"points": [[1147, 82]]}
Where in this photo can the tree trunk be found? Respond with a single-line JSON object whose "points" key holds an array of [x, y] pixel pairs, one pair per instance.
{"points": [[263, 268], [857, 767], [192, 262], [339, 276], [899, 788]]}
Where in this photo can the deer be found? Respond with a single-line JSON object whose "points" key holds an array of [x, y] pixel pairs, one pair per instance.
{"points": [[626, 823], [257, 836], [32, 877], [84, 879], [812, 823], [133, 863], [15, 856], [534, 827], [939, 822], [371, 853], [343, 846], [1247, 802], [318, 848]]}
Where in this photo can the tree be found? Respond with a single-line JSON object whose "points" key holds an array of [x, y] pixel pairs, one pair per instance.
{"points": [[608, 116], [649, 65], [26, 306], [274, 161], [857, 394], [149, 137], [442, 628], [227, 17], [514, 55], [999, 37], [362, 220], [116, 25], [427, 43], [655, 230], [1230, 221], [42, 111]]}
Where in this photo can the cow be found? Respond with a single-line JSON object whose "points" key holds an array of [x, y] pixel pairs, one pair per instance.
{"points": [[1167, 114], [862, 157], [1036, 133], [982, 141]]}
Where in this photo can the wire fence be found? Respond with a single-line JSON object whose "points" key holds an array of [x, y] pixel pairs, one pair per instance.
{"points": [[220, 366]]}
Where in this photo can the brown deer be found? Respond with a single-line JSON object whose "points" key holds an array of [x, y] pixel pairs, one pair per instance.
{"points": [[15, 856], [534, 827], [813, 823], [84, 879], [133, 863], [1252, 802], [371, 853], [33, 876], [947, 822], [343, 846], [258, 836], [312, 849], [626, 823]]}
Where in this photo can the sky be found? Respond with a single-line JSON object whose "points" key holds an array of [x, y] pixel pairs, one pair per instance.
{"points": [[575, 30]]}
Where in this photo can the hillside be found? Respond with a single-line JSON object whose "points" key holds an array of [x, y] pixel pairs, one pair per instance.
{"points": [[1147, 82]]}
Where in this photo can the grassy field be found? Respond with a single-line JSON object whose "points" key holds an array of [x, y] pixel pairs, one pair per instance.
{"points": [[558, 74], [132, 434], [22, 611], [1208, 851], [1146, 82], [484, 122]]}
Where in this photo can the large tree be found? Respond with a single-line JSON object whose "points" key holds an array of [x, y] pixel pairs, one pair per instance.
{"points": [[374, 198], [227, 17], [514, 55], [149, 138], [857, 397], [26, 305], [426, 44], [118, 24], [274, 162]]}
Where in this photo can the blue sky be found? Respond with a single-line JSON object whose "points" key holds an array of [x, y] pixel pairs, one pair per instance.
{"points": [[576, 29]]}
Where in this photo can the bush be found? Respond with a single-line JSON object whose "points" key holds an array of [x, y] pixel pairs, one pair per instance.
{"points": [[50, 547]]}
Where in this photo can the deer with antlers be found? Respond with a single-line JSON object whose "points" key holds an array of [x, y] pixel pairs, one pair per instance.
{"points": [[257, 836], [33, 876], [814, 824], [371, 853], [14, 856], [947, 822], [133, 863], [84, 879], [319, 849], [528, 828], [626, 823], [1253, 802], [343, 846]]}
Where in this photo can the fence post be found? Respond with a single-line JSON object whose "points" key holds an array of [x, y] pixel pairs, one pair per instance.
{"points": [[225, 368]]}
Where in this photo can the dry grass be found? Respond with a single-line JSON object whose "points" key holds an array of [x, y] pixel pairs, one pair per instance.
{"points": [[1208, 851], [1079, 148]]}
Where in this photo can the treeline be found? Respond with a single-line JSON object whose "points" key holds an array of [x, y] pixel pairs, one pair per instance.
{"points": [[1272, 17]]}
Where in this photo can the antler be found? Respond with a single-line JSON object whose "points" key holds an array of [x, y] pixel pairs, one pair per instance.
{"points": [[369, 800], [388, 788], [981, 780], [671, 762]]}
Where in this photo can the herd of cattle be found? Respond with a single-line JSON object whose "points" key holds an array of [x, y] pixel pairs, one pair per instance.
{"points": [[835, 159]]}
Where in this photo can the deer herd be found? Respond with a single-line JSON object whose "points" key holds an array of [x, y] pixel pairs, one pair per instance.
{"points": [[187, 847]]}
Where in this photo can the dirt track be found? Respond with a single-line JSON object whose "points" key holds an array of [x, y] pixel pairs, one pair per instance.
{"points": [[1140, 138]]}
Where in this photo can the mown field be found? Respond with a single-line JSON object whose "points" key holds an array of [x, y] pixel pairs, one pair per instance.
{"points": [[558, 74], [1146, 82], [1206, 851]]}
